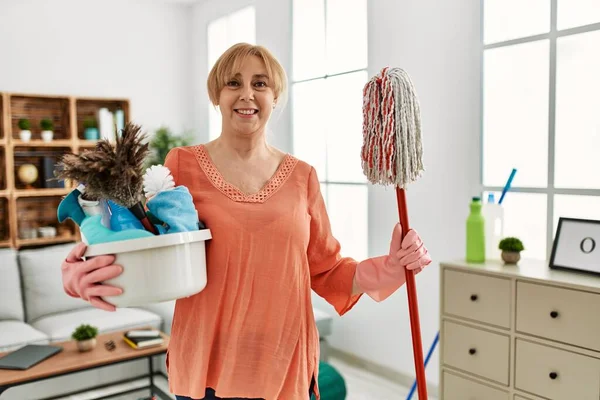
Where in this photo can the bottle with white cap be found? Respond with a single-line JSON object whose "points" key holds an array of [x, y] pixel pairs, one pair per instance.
{"points": [[493, 213]]}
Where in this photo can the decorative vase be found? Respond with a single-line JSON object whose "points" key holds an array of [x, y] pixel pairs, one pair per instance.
{"points": [[47, 136], [91, 134], [86, 345], [25, 135], [511, 257]]}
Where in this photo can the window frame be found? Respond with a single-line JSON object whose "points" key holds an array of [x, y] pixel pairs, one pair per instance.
{"points": [[549, 190], [325, 182]]}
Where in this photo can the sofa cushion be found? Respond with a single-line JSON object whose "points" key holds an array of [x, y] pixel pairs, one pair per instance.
{"points": [[323, 321], [15, 334], [60, 326], [11, 299], [42, 282]]}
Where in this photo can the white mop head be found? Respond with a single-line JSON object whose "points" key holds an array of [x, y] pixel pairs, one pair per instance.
{"points": [[392, 151]]}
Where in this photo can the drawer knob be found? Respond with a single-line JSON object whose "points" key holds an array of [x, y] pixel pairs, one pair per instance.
{"points": [[554, 314], [472, 351], [473, 297], [553, 375]]}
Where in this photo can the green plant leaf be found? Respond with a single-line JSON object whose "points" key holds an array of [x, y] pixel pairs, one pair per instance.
{"points": [[84, 332]]}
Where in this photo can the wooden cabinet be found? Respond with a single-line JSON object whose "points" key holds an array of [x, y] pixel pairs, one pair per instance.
{"points": [[521, 332], [29, 195]]}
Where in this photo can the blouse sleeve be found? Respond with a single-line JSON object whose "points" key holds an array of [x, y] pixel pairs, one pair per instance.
{"points": [[331, 274]]}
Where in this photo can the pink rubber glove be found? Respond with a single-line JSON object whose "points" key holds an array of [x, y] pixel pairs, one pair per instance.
{"points": [[379, 277], [82, 278]]}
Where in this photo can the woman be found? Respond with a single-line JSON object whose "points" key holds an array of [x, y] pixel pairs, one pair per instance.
{"points": [[251, 332]]}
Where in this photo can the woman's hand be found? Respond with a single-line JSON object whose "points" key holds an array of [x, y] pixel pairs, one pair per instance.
{"points": [[82, 278], [379, 277], [409, 253]]}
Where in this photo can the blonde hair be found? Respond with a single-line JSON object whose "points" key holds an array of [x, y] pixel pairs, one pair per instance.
{"points": [[229, 63]]}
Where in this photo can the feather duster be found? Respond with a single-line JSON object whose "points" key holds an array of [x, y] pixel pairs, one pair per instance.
{"points": [[113, 172]]}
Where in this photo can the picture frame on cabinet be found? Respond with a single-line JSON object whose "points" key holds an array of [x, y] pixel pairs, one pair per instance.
{"points": [[576, 245]]}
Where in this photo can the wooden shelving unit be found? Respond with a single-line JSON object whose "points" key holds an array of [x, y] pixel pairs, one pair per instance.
{"points": [[25, 207]]}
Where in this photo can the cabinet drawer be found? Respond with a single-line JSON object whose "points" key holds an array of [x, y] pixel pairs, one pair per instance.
{"points": [[458, 388], [556, 374], [477, 297], [564, 315], [479, 352]]}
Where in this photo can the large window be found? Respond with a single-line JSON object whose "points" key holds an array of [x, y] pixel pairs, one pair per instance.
{"points": [[328, 76], [239, 26], [541, 113]]}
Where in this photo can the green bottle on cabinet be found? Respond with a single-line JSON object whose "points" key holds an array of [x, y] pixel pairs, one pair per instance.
{"points": [[475, 233]]}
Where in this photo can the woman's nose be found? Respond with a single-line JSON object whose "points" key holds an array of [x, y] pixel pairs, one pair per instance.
{"points": [[247, 93]]}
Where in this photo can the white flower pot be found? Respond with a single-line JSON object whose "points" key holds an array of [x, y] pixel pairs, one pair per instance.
{"points": [[158, 268], [86, 345], [47, 136], [25, 135]]}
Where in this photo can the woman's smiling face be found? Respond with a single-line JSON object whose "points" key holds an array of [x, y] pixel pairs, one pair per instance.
{"points": [[247, 100]]}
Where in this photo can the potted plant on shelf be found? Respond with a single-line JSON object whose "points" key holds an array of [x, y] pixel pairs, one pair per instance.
{"points": [[47, 125], [85, 335], [511, 249], [90, 129], [25, 126]]}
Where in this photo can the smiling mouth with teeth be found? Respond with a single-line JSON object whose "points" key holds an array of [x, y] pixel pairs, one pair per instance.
{"points": [[246, 111]]}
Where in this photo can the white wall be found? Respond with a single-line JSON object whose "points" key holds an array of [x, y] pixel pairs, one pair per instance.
{"points": [[439, 46], [106, 48]]}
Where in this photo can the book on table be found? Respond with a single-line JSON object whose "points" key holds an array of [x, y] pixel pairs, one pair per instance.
{"points": [[141, 339]]}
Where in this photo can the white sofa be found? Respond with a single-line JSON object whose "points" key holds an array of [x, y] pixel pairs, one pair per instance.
{"points": [[35, 309]]}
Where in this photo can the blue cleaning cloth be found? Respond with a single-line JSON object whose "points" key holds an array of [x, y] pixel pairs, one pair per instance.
{"points": [[95, 232], [174, 207]]}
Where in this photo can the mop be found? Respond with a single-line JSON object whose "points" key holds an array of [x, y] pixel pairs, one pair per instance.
{"points": [[392, 155]]}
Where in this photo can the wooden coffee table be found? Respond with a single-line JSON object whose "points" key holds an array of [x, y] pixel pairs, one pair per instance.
{"points": [[71, 360]]}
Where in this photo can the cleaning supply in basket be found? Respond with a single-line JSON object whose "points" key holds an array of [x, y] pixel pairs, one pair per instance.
{"points": [[475, 233]]}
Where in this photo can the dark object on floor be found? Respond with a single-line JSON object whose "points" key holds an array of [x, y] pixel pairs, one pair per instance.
{"points": [[331, 383]]}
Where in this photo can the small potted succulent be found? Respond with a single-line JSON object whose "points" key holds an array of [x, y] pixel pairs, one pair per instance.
{"points": [[90, 129], [25, 126], [47, 125], [85, 336], [511, 249]]}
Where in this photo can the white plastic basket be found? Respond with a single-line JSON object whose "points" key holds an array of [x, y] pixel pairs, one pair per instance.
{"points": [[159, 268]]}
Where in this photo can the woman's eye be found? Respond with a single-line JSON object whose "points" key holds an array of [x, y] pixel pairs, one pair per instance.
{"points": [[261, 84], [232, 83]]}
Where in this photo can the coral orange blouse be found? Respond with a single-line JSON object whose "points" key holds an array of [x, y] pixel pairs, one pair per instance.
{"points": [[251, 332]]}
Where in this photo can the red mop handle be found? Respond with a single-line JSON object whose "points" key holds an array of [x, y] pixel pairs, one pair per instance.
{"points": [[413, 306]]}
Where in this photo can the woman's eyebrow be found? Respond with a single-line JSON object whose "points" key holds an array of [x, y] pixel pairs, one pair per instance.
{"points": [[255, 76]]}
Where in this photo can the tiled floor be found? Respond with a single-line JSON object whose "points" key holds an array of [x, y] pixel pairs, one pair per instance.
{"points": [[361, 385]]}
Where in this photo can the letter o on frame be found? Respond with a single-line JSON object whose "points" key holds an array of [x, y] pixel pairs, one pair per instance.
{"points": [[583, 242]]}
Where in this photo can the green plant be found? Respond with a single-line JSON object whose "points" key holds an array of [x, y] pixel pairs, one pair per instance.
{"points": [[24, 124], [90, 123], [84, 332], [163, 141], [511, 244], [46, 124]]}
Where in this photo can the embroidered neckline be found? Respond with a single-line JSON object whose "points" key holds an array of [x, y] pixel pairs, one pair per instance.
{"points": [[283, 171]]}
